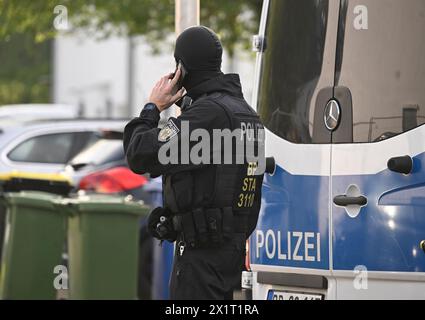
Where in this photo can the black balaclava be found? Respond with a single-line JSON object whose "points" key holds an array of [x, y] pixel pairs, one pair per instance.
{"points": [[201, 52]]}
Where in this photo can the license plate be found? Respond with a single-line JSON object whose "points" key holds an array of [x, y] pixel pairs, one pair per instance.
{"points": [[285, 295]]}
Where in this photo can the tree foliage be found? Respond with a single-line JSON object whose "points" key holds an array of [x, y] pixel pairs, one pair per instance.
{"points": [[234, 20], [26, 26], [25, 74]]}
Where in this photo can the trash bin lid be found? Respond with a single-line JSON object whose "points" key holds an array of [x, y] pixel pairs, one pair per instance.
{"points": [[32, 199], [57, 177], [18, 181], [103, 204]]}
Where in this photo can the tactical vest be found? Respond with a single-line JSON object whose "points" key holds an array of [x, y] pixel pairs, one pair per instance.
{"points": [[211, 203]]}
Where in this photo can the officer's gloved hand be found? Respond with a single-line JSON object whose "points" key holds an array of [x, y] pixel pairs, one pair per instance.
{"points": [[160, 225]]}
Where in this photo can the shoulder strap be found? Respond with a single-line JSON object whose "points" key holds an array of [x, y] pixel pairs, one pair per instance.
{"points": [[229, 113]]}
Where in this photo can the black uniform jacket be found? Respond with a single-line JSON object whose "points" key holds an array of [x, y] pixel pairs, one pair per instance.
{"points": [[141, 135]]}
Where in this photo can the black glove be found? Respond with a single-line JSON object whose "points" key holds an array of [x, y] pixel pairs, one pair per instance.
{"points": [[160, 225]]}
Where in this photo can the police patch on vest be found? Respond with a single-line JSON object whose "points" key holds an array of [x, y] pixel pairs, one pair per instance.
{"points": [[169, 131]]}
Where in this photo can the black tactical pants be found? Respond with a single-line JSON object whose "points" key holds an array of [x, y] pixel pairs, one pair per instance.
{"points": [[208, 273]]}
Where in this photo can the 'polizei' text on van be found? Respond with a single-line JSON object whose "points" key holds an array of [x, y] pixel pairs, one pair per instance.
{"points": [[299, 246]]}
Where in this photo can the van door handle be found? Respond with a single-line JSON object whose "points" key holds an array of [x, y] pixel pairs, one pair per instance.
{"points": [[344, 201]]}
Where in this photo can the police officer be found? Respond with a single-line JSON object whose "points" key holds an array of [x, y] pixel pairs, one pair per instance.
{"points": [[210, 208]]}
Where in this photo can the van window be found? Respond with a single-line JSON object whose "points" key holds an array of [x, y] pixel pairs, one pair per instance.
{"points": [[382, 61], [291, 66]]}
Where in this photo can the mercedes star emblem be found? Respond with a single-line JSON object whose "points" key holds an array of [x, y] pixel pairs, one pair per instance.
{"points": [[332, 115]]}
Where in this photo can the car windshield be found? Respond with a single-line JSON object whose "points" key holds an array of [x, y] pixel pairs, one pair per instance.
{"points": [[102, 152]]}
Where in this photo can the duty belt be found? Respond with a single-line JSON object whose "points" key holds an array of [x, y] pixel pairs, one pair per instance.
{"points": [[209, 226]]}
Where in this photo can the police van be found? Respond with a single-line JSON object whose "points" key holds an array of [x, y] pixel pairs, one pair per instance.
{"points": [[340, 88]]}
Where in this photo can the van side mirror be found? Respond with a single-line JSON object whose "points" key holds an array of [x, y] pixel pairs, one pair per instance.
{"points": [[402, 165], [258, 43], [270, 165]]}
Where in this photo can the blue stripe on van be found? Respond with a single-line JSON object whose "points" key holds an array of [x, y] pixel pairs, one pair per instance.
{"points": [[384, 237], [292, 204]]}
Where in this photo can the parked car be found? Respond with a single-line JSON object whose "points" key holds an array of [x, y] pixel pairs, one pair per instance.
{"points": [[12, 114], [102, 168], [46, 146]]}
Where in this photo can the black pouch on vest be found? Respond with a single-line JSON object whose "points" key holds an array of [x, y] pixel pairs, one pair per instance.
{"points": [[188, 229], [200, 226], [227, 222], [214, 223], [178, 192]]}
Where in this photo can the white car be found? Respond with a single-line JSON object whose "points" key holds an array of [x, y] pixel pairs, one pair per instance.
{"points": [[14, 113], [46, 146]]}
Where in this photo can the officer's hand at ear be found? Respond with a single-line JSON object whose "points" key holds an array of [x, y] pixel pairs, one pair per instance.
{"points": [[164, 93]]}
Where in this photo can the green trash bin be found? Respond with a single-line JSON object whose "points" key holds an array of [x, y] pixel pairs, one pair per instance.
{"points": [[33, 245], [16, 181], [103, 235]]}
